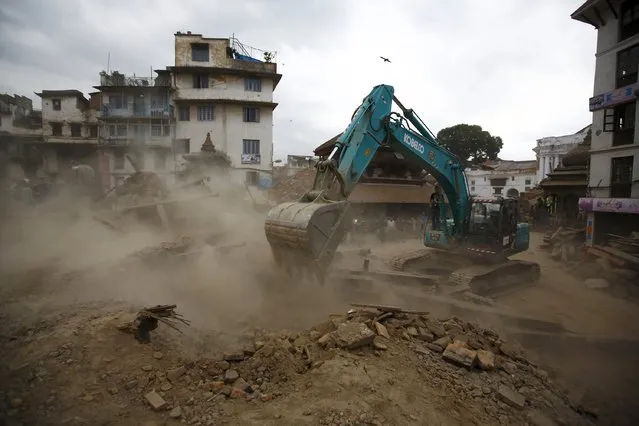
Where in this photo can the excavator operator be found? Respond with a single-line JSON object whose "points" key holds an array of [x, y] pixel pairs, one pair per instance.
{"points": [[435, 204]]}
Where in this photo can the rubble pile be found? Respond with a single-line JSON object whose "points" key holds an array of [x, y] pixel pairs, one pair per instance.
{"points": [[487, 378], [293, 187], [628, 245], [472, 363], [565, 244]]}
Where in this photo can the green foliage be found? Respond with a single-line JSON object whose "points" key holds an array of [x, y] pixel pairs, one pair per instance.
{"points": [[470, 143]]}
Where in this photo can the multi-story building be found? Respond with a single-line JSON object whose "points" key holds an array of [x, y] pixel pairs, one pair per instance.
{"points": [[502, 178], [136, 119], [69, 130], [222, 88], [614, 155], [20, 129], [551, 150]]}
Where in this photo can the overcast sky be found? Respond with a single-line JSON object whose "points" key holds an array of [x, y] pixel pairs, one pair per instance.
{"points": [[522, 70]]}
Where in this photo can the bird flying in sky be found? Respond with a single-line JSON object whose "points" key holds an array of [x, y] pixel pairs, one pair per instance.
{"points": [[385, 59]]}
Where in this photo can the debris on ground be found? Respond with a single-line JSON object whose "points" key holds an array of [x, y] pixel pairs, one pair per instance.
{"points": [[291, 188], [148, 318], [343, 371]]}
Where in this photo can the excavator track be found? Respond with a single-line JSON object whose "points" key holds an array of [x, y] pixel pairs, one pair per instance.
{"points": [[460, 274]]}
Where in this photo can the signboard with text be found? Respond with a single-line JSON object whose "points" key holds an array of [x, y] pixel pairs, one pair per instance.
{"points": [[615, 97]]}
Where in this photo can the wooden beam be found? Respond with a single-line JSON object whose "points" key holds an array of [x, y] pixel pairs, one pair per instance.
{"points": [[612, 9]]}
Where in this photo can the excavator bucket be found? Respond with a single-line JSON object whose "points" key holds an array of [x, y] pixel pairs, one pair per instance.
{"points": [[304, 235]]}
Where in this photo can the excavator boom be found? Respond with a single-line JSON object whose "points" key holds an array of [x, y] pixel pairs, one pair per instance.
{"points": [[305, 234]]}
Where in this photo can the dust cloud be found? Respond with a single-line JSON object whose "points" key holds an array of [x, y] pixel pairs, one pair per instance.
{"points": [[228, 286]]}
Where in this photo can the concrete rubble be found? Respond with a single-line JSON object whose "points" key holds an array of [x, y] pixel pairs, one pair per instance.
{"points": [[455, 357]]}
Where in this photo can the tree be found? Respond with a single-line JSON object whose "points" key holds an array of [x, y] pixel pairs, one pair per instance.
{"points": [[470, 143]]}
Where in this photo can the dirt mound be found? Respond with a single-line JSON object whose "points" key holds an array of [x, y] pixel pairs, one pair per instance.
{"points": [[366, 367]]}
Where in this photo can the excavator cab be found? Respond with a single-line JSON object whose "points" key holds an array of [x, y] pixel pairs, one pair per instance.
{"points": [[493, 230]]}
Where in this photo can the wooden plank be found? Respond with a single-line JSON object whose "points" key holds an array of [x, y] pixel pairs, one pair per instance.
{"points": [[620, 254], [599, 253]]}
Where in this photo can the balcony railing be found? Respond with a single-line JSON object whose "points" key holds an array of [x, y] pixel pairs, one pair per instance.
{"points": [[116, 79], [161, 141], [141, 112]]}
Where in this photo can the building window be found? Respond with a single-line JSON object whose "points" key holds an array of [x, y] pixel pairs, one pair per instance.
{"points": [[184, 113], [118, 130], [627, 66], [629, 20], [621, 177], [118, 160], [252, 85], [117, 101], [205, 113], [252, 177], [158, 130], [472, 182], [527, 189], [472, 188], [200, 52], [620, 120], [251, 151], [200, 81], [251, 115], [56, 129], [93, 131], [182, 146], [497, 191], [512, 178], [527, 182], [57, 104], [76, 130]]}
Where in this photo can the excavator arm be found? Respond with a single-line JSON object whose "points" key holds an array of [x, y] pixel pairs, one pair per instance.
{"points": [[305, 234]]}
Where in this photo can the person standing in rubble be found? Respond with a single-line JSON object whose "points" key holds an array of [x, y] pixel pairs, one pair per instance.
{"points": [[436, 201]]}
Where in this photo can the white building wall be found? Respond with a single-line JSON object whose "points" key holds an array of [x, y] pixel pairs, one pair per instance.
{"points": [[228, 130], [68, 110], [551, 150], [479, 182], [225, 87], [6, 122], [602, 150]]}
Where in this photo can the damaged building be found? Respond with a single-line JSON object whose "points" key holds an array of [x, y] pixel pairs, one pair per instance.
{"points": [[389, 187]]}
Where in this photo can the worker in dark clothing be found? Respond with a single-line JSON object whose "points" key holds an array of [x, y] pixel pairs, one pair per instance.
{"points": [[436, 201]]}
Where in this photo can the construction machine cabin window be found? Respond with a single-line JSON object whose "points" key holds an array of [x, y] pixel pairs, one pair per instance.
{"points": [[205, 113], [200, 81], [621, 177], [251, 115], [629, 19], [56, 129], [627, 61], [620, 121], [56, 104], [200, 52]]}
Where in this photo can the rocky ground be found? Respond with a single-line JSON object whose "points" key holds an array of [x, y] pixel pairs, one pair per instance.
{"points": [[366, 367]]}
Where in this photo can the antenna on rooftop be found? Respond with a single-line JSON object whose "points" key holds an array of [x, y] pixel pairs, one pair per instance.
{"points": [[108, 62]]}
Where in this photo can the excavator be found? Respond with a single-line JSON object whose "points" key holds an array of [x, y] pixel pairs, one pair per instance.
{"points": [[472, 247]]}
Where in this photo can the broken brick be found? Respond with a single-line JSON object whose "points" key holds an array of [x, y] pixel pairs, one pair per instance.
{"points": [[353, 335], [459, 354], [155, 400], [485, 359], [511, 397]]}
